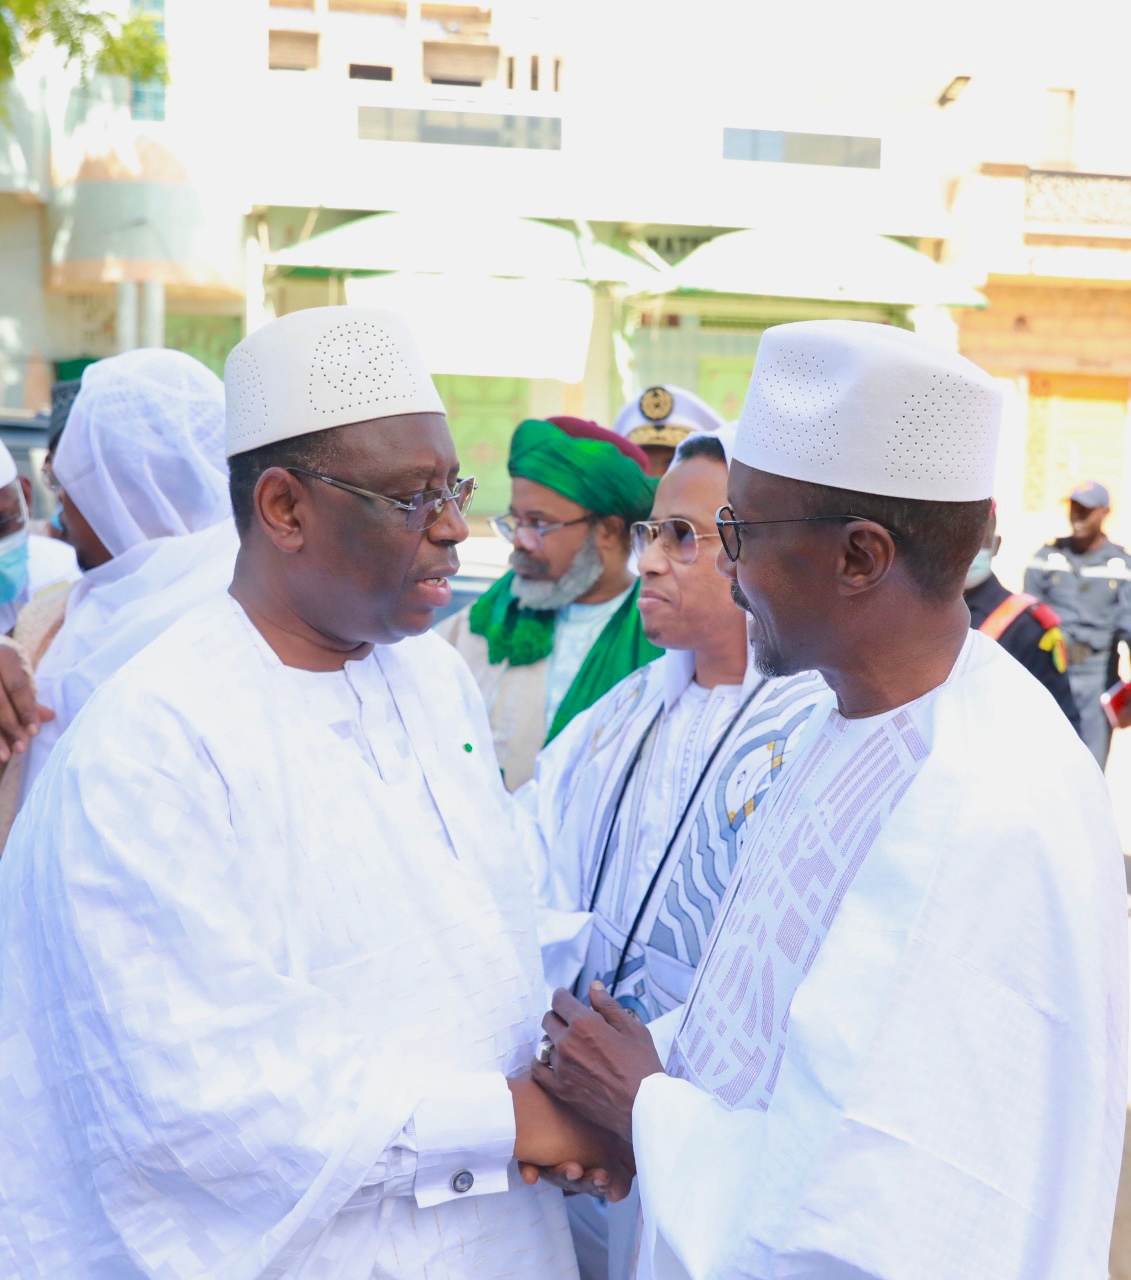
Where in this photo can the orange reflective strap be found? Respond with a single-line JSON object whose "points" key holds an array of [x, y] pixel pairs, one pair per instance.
{"points": [[1007, 613]]}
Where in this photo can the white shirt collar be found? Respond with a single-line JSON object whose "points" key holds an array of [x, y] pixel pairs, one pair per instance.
{"points": [[679, 671]]}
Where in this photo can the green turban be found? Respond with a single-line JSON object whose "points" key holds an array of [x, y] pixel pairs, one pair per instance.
{"points": [[593, 473]]}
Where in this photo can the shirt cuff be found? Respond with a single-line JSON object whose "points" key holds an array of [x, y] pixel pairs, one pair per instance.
{"points": [[464, 1138]]}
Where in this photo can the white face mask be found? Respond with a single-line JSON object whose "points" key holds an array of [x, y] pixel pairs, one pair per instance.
{"points": [[980, 569]]}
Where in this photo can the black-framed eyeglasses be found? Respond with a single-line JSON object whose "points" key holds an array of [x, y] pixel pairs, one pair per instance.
{"points": [[422, 510], [507, 527], [678, 538], [729, 527]]}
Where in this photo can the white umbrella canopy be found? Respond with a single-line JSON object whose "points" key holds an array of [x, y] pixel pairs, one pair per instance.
{"points": [[820, 265], [486, 326], [465, 244]]}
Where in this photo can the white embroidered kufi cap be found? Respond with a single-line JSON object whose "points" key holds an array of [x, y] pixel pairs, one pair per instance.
{"points": [[665, 416], [871, 408], [323, 367]]}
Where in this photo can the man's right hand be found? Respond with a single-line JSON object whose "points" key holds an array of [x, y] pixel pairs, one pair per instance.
{"points": [[20, 714], [564, 1147]]}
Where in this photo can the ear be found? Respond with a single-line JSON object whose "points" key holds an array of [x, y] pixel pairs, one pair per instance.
{"points": [[866, 556], [997, 544], [612, 532], [281, 502]]}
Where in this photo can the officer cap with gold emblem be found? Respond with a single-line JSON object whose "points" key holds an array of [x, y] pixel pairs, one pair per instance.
{"points": [[664, 416]]}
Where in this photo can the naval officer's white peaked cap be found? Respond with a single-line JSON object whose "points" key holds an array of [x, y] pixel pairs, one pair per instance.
{"points": [[872, 408], [323, 367], [665, 415]]}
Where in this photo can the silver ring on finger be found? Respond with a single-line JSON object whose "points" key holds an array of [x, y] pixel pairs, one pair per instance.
{"points": [[545, 1048]]}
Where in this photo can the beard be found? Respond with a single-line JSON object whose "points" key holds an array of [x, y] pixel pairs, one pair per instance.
{"points": [[768, 660], [547, 594]]}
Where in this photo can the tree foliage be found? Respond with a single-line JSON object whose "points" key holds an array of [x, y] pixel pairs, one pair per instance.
{"points": [[94, 40]]}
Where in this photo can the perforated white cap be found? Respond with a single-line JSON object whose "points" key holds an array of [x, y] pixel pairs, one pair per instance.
{"points": [[323, 367], [872, 408]]}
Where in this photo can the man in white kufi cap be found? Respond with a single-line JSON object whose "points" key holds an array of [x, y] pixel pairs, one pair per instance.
{"points": [[903, 1053], [660, 417], [270, 954]]}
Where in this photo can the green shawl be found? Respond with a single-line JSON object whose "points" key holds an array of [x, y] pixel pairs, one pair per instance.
{"points": [[522, 636]]}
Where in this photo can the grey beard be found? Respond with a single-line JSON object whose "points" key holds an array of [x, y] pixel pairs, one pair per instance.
{"points": [[582, 574]]}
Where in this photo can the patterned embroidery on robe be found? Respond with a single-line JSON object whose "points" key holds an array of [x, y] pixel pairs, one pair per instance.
{"points": [[779, 908]]}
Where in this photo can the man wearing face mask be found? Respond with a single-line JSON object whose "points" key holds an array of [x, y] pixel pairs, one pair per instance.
{"points": [[558, 631], [1021, 624], [30, 565]]}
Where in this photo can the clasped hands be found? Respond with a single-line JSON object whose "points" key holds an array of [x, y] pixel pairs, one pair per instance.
{"points": [[573, 1115]]}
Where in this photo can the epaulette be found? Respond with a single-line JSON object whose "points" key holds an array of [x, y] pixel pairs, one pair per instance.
{"points": [[1048, 618]]}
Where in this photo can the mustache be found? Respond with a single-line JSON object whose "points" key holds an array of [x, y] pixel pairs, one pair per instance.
{"points": [[738, 598], [520, 559]]}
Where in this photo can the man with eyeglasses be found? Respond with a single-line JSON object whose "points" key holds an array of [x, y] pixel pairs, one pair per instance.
{"points": [[561, 628], [640, 807], [904, 1052], [271, 976]]}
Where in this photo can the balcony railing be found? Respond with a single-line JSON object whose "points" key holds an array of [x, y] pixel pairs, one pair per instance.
{"points": [[1078, 199]]}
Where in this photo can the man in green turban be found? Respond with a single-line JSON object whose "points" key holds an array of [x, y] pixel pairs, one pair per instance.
{"points": [[562, 627]]}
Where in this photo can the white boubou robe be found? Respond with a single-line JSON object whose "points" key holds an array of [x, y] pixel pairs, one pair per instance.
{"points": [[623, 784], [904, 1053], [269, 955], [114, 612]]}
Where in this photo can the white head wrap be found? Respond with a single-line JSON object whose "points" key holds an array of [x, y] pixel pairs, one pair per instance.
{"points": [[142, 455], [872, 408], [665, 415], [8, 471], [323, 367]]}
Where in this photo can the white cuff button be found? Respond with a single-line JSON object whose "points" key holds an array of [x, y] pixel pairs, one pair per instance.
{"points": [[463, 1181]]}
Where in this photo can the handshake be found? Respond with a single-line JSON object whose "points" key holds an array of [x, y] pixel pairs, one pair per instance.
{"points": [[573, 1108]]}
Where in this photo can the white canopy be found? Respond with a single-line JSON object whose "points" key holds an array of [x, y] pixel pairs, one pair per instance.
{"points": [[465, 244], [803, 262], [487, 326]]}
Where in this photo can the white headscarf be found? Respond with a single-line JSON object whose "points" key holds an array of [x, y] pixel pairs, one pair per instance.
{"points": [[142, 455]]}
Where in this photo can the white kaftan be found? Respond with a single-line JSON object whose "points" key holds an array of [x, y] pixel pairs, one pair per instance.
{"points": [[904, 1053], [270, 952], [612, 792], [114, 612]]}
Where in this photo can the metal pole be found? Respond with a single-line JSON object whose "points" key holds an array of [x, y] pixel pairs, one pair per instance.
{"points": [[127, 315], [152, 314]]}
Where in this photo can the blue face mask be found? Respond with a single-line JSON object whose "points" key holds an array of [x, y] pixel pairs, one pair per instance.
{"points": [[980, 569], [13, 565]]}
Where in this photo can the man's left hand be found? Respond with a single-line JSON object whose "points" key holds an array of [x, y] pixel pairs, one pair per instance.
{"points": [[599, 1057]]}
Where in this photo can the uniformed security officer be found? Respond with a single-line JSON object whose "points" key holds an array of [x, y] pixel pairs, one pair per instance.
{"points": [[1025, 627], [659, 418], [1086, 578]]}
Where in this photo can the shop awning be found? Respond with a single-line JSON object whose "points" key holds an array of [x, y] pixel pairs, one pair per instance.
{"points": [[820, 265]]}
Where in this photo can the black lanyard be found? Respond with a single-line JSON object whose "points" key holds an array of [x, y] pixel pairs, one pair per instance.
{"points": [[692, 798]]}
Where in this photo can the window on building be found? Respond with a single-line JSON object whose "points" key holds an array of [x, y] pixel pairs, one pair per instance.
{"points": [[1060, 126], [366, 71], [292, 50], [292, 4], [459, 128], [776, 147], [446, 62], [557, 75], [147, 97], [534, 71], [510, 73]]}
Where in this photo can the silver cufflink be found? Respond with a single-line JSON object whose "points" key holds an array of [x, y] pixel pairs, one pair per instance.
{"points": [[463, 1181]]}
